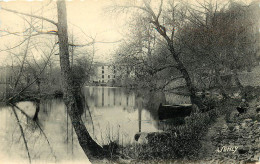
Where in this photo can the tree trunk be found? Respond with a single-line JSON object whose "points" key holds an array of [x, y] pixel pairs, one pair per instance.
{"points": [[195, 100], [89, 146], [37, 110], [180, 66]]}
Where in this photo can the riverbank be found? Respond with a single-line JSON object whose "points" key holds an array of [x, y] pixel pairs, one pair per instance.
{"points": [[220, 135], [236, 137], [179, 142], [32, 96]]}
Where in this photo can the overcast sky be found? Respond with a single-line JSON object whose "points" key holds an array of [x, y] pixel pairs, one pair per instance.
{"points": [[84, 17]]}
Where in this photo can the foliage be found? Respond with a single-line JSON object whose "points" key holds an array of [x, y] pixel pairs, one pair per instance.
{"points": [[212, 44], [80, 72], [181, 142], [220, 42]]}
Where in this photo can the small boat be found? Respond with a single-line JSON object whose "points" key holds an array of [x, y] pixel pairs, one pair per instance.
{"points": [[173, 111]]}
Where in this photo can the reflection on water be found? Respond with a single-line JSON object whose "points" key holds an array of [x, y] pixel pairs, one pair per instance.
{"points": [[114, 114]]}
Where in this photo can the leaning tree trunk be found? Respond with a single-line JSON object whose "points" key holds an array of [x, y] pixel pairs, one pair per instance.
{"points": [[191, 88], [89, 146], [195, 100]]}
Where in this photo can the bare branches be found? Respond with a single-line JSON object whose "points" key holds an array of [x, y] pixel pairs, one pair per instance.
{"points": [[163, 68], [21, 129], [28, 38], [91, 43], [130, 6], [173, 19], [31, 15], [34, 31], [53, 32], [12, 33], [16, 45], [160, 10], [150, 10], [196, 18], [41, 130], [46, 63], [22, 64]]}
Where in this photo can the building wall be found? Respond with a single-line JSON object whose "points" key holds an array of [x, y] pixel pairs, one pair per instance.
{"points": [[104, 73]]}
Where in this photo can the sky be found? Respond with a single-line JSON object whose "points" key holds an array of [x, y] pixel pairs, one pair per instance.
{"points": [[86, 19]]}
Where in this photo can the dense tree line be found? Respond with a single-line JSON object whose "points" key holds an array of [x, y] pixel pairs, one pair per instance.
{"points": [[206, 44]]}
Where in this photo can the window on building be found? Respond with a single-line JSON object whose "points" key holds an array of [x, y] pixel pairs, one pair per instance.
{"points": [[114, 76], [108, 76], [103, 71], [102, 81], [114, 71], [102, 67], [102, 76]]}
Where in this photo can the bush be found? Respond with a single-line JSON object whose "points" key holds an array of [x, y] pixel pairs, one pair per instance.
{"points": [[180, 142]]}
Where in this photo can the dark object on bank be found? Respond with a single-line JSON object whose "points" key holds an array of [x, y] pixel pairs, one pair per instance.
{"points": [[37, 110], [137, 136], [58, 94], [242, 150], [257, 109], [173, 111], [241, 110]]}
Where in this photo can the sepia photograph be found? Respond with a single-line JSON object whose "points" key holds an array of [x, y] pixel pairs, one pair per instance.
{"points": [[129, 81]]}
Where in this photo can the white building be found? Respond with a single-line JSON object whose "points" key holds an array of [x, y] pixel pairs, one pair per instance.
{"points": [[103, 73]]}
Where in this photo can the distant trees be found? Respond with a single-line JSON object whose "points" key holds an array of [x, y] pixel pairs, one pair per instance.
{"points": [[145, 52], [82, 69], [29, 74], [134, 55]]}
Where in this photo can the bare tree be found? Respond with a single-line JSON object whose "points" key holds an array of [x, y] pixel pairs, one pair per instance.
{"points": [[71, 98], [167, 33]]}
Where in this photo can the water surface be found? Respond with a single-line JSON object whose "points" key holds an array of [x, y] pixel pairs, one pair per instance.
{"points": [[115, 114]]}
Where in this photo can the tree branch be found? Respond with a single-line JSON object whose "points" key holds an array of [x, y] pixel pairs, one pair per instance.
{"points": [[21, 129], [90, 43], [163, 68], [31, 15], [41, 130], [22, 64], [160, 10], [10, 99]]}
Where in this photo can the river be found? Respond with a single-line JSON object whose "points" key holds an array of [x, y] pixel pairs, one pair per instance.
{"points": [[115, 114]]}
